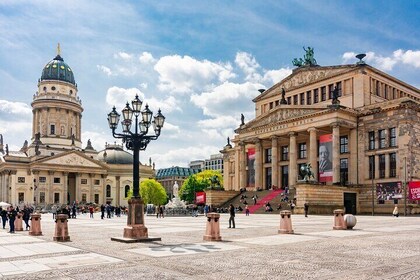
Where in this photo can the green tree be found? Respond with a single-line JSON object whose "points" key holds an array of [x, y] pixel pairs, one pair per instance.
{"points": [[152, 192], [199, 182]]}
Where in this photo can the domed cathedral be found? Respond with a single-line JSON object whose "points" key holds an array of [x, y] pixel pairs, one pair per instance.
{"points": [[54, 168], [334, 136]]}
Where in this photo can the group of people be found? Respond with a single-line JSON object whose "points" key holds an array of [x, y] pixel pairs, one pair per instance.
{"points": [[10, 213]]}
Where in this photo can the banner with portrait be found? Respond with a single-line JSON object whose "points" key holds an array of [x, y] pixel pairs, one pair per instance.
{"points": [[414, 190], [388, 191], [251, 167], [325, 168]]}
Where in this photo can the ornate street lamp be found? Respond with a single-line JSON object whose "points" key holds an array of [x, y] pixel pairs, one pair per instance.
{"points": [[136, 141]]}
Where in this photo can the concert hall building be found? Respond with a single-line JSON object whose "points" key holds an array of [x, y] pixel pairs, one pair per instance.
{"points": [[368, 120]]}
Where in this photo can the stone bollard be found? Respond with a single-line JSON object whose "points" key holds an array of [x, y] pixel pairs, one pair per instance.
{"points": [[212, 228], [18, 222], [35, 228], [349, 221], [339, 219], [285, 222], [61, 229]]}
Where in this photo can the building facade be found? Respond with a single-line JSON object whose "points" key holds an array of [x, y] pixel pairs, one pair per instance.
{"points": [[214, 163], [354, 124], [167, 177], [54, 168]]}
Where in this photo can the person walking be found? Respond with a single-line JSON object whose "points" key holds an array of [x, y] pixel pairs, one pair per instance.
{"points": [[232, 216], [54, 211], [12, 216], [246, 210], [3, 214], [26, 215], [395, 212], [102, 211], [91, 211], [306, 208]]}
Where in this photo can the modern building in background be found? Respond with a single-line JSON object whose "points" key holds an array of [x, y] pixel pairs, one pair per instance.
{"points": [[197, 164], [214, 163], [354, 124], [168, 176], [54, 168]]}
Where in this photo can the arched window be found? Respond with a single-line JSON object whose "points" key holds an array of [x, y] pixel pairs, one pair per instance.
{"points": [[126, 190], [108, 191]]}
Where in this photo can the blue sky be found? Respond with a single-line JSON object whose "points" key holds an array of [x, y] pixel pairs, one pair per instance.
{"points": [[201, 62]]}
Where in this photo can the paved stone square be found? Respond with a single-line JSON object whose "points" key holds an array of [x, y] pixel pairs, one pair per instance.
{"points": [[379, 247]]}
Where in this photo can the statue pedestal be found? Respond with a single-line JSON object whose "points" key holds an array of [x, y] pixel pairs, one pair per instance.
{"points": [[135, 231], [18, 222], [61, 228], [35, 225], [339, 219], [285, 222], [212, 228]]}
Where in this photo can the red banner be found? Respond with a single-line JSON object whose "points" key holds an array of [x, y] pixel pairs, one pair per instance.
{"points": [[325, 158], [251, 167], [200, 198], [414, 190]]}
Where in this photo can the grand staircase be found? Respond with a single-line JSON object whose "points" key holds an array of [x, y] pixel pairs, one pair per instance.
{"points": [[262, 200]]}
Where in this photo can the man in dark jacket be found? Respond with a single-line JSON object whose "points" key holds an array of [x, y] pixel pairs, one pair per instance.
{"points": [[232, 216], [12, 216], [26, 216], [3, 214]]}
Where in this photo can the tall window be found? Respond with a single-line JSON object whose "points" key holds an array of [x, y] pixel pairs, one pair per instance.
{"points": [[344, 144], [108, 191], [302, 150], [381, 134], [97, 198], [284, 176], [56, 197], [371, 140], [302, 98], [84, 197], [371, 167], [126, 190], [295, 99], [289, 100], [340, 88], [385, 91], [316, 95], [41, 197], [284, 152], [21, 197], [268, 178], [268, 155], [344, 171], [393, 165], [308, 97], [52, 129], [330, 91], [393, 137], [378, 89], [381, 166], [323, 93]]}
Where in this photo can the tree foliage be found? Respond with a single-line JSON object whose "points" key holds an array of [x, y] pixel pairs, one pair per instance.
{"points": [[207, 179], [152, 192]]}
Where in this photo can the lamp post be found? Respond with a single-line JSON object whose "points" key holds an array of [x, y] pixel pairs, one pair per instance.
{"points": [[136, 141]]}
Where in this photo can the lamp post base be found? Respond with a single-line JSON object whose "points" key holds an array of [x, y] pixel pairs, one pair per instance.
{"points": [[135, 231]]}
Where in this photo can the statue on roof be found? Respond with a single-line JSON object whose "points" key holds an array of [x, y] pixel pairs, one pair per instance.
{"points": [[7, 149], [72, 139], [24, 147], [242, 119], [308, 58], [283, 97], [335, 100]]}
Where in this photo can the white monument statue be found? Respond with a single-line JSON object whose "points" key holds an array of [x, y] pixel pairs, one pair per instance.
{"points": [[175, 202]]}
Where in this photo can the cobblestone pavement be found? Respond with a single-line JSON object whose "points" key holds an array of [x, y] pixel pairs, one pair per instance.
{"points": [[379, 247]]}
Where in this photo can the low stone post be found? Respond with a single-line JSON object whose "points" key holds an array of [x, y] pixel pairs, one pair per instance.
{"points": [[18, 222], [35, 228], [212, 228], [61, 228], [349, 221], [339, 219], [285, 222]]}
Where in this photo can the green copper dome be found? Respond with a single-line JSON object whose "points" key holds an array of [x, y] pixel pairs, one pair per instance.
{"points": [[57, 69]]}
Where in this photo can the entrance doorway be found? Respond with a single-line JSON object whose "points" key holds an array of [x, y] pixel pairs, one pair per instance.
{"points": [[350, 200], [71, 187]]}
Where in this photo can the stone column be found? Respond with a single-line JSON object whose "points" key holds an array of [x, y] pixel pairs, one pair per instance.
{"points": [[77, 197], [104, 188], [313, 151], [336, 152], [91, 192], [243, 161], [12, 187], [118, 183], [258, 164], [36, 187], [387, 165], [292, 159], [236, 170], [275, 162], [353, 165], [228, 185], [66, 187]]}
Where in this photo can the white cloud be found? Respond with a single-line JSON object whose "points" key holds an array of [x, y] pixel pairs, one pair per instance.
{"points": [[219, 122], [17, 108], [186, 74], [174, 157], [227, 99], [248, 64], [275, 76], [385, 63], [123, 55], [105, 69], [98, 139], [409, 57], [118, 97], [147, 58]]}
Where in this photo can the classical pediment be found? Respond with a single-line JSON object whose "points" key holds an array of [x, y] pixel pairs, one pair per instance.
{"points": [[280, 115], [73, 159], [304, 76]]}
